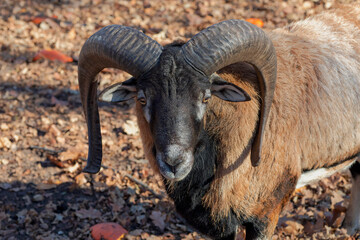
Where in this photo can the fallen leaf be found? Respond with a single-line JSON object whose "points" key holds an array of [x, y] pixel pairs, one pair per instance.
{"points": [[88, 213], [107, 231], [338, 219], [55, 161], [52, 55], [45, 186], [54, 131], [158, 219], [3, 216], [338, 214], [256, 21], [80, 179], [5, 142], [38, 20], [131, 128], [73, 168], [72, 154], [58, 102], [293, 227]]}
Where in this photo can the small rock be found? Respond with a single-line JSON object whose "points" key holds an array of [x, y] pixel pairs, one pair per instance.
{"points": [[44, 226], [5, 186], [44, 26], [38, 198], [74, 119], [4, 127], [136, 232], [307, 5], [5, 142], [4, 161], [45, 120], [328, 5]]}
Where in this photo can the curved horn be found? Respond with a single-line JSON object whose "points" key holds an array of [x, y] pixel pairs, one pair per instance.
{"points": [[113, 46], [234, 41]]}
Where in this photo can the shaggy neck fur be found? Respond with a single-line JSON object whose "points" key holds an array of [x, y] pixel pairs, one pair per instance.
{"points": [[188, 193]]}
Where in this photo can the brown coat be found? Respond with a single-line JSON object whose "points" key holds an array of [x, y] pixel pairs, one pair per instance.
{"points": [[314, 121]]}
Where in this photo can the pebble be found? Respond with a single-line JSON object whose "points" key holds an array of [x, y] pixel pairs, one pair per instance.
{"points": [[307, 5], [4, 127], [4, 161], [38, 198], [5, 142], [44, 226], [44, 26]]}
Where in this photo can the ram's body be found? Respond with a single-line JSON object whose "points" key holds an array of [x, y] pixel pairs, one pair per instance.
{"points": [[314, 121], [208, 150]]}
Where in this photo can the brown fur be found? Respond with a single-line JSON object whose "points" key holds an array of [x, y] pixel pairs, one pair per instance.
{"points": [[314, 120]]}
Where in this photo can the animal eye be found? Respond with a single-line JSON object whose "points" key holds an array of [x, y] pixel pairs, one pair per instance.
{"points": [[141, 97], [207, 96], [206, 99], [142, 101]]}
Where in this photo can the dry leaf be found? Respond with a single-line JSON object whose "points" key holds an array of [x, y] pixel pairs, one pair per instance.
{"points": [[88, 213], [72, 154], [45, 186], [3, 216], [55, 161], [108, 231], [58, 102], [293, 227], [38, 20], [80, 179], [131, 128], [54, 131], [158, 219], [52, 55], [73, 168], [256, 21]]}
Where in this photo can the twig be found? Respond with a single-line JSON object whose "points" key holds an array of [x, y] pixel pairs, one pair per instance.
{"points": [[44, 149], [143, 185]]}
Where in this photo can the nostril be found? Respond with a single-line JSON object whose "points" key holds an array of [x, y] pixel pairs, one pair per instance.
{"points": [[170, 166]]}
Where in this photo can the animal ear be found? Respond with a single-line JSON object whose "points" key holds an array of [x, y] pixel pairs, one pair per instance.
{"points": [[119, 92], [227, 91]]}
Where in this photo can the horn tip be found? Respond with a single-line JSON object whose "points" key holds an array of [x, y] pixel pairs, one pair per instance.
{"points": [[91, 169], [255, 159]]}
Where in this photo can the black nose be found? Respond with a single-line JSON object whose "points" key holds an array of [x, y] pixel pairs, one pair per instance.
{"points": [[175, 162], [170, 167]]}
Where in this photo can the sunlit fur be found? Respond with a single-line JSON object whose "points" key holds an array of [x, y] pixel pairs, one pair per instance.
{"points": [[314, 121]]}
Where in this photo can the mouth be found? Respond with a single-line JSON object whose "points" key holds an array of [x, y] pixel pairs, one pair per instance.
{"points": [[174, 173]]}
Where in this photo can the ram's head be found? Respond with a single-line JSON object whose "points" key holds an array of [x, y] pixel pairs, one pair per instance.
{"points": [[173, 85]]}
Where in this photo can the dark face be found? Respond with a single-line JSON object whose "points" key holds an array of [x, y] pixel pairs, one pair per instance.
{"points": [[174, 103], [174, 99]]}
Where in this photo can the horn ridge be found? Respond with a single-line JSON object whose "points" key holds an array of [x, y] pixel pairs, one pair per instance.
{"points": [[113, 46], [232, 41]]}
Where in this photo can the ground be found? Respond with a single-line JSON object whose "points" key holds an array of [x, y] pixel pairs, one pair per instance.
{"points": [[43, 140]]}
